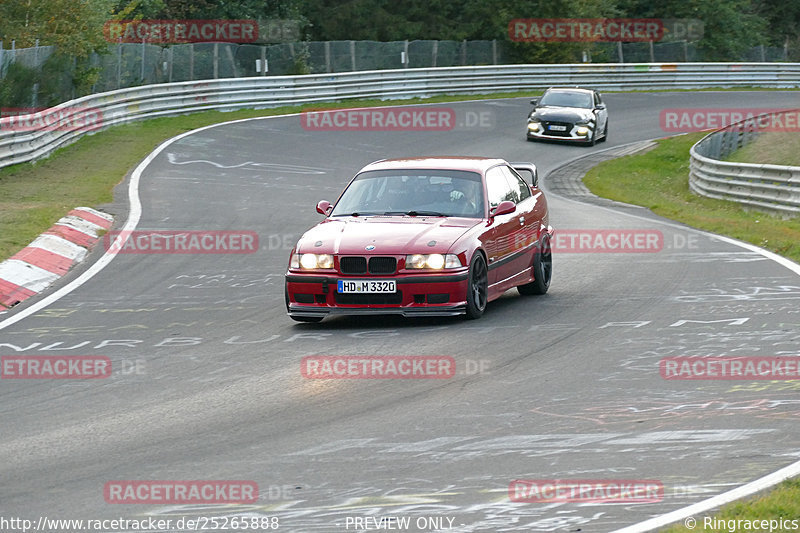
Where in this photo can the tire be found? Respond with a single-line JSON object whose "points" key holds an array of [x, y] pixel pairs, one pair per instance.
{"points": [[311, 319], [542, 270], [605, 133], [477, 287]]}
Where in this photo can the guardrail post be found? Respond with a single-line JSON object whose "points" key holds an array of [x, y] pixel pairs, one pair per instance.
{"points": [[263, 60], [405, 54], [216, 61], [119, 63], [464, 52], [328, 57], [434, 53], [619, 52], [494, 51], [141, 76], [191, 62], [353, 56]]}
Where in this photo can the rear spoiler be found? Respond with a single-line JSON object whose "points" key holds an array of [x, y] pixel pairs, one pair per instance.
{"points": [[527, 168]]}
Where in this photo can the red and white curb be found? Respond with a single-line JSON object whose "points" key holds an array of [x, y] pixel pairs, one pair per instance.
{"points": [[51, 255]]}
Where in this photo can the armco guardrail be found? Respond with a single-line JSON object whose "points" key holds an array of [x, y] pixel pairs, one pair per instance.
{"points": [[24, 139], [772, 188]]}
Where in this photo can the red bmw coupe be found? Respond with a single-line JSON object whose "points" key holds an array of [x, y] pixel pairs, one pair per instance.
{"points": [[430, 236]]}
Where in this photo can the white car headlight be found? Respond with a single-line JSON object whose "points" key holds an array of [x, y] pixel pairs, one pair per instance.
{"points": [[432, 261], [311, 261]]}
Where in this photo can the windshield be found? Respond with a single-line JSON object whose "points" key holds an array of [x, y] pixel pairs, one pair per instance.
{"points": [[567, 99], [450, 193]]}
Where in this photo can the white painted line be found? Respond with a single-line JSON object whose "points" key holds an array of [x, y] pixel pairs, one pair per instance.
{"points": [[745, 490], [59, 245], [26, 275], [130, 224], [136, 213], [721, 499]]}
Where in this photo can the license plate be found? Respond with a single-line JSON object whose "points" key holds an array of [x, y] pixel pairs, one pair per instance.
{"points": [[556, 127], [368, 286]]}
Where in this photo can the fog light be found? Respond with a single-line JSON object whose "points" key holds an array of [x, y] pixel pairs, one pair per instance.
{"points": [[583, 130]]}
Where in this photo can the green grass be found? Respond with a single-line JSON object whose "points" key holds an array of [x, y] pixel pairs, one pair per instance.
{"points": [[659, 180], [774, 148], [782, 502]]}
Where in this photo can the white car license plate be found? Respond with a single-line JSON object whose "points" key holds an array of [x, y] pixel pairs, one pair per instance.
{"points": [[366, 286], [556, 127]]}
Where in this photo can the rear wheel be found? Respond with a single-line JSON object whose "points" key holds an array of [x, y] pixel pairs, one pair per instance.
{"points": [[542, 270], [477, 287]]}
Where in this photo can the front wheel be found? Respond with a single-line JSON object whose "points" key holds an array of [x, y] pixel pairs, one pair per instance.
{"points": [[605, 133], [542, 270], [477, 287]]}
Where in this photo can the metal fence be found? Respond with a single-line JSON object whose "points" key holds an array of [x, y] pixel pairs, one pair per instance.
{"points": [[130, 65], [772, 188]]}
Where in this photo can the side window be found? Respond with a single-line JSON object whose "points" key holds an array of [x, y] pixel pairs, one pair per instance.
{"points": [[597, 99], [497, 187], [520, 187]]}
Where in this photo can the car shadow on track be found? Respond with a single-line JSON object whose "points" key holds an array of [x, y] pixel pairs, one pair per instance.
{"points": [[510, 305]]}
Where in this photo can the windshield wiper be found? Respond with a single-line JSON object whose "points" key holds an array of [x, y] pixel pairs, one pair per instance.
{"points": [[356, 214], [413, 213]]}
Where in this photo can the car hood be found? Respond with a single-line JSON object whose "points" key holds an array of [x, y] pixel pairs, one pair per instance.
{"points": [[562, 114], [390, 235]]}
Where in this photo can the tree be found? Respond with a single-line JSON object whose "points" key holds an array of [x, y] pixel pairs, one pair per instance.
{"points": [[73, 26], [730, 26]]}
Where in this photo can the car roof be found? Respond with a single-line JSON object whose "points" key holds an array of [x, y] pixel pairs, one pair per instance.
{"points": [[472, 164], [571, 89]]}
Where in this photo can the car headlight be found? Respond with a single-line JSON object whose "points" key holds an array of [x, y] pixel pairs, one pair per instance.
{"points": [[311, 261], [432, 261]]}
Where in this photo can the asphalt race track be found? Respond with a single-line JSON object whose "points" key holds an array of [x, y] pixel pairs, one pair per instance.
{"points": [[207, 384]]}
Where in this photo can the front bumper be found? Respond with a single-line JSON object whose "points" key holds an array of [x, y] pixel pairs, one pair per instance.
{"points": [[570, 135], [428, 294]]}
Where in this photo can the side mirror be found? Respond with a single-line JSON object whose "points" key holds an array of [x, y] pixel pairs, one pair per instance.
{"points": [[323, 207], [525, 170], [535, 101], [600, 106], [505, 207]]}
